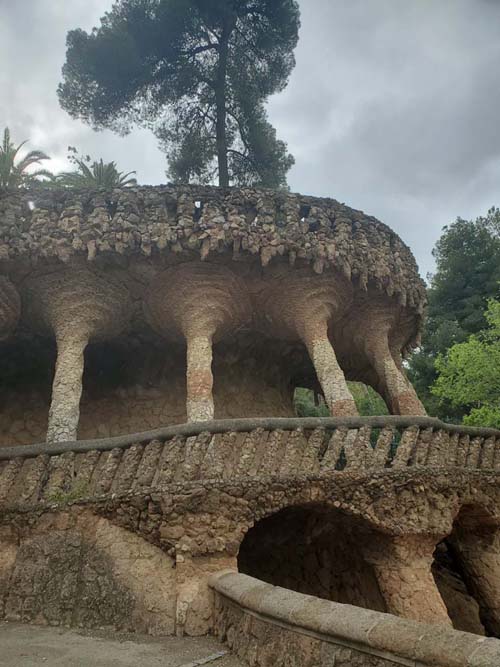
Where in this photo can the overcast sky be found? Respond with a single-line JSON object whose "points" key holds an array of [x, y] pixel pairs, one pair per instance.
{"points": [[393, 107]]}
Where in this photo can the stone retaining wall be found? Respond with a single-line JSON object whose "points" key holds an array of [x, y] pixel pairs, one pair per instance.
{"points": [[267, 625]]}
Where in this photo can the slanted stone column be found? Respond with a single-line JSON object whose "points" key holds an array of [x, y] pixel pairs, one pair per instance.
{"points": [[378, 330], [302, 307], [403, 569], [479, 554], [330, 376], [397, 390], [64, 410], [200, 303], [77, 306]]}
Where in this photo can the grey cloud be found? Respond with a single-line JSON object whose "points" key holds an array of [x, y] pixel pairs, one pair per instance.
{"points": [[392, 107]]}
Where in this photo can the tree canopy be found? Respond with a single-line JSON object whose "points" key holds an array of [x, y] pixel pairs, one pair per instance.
{"points": [[198, 73], [469, 373], [14, 169], [467, 276]]}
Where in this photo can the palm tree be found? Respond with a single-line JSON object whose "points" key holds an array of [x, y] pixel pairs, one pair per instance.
{"points": [[98, 175], [15, 175]]}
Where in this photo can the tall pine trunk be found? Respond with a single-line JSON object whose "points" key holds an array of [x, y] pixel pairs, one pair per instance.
{"points": [[220, 102]]}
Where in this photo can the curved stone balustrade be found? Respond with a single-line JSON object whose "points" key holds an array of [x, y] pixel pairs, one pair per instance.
{"points": [[304, 630], [240, 449]]}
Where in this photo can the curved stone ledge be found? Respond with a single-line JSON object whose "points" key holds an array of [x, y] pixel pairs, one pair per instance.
{"points": [[319, 633], [243, 426]]}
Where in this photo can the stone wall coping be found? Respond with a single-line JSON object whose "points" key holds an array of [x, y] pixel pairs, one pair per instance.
{"points": [[238, 426], [399, 640]]}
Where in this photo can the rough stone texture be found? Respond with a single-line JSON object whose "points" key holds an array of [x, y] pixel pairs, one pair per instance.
{"points": [[93, 266], [196, 497], [375, 330], [312, 552], [463, 609], [301, 305], [10, 308], [146, 220], [476, 543], [146, 307], [403, 570], [266, 625], [201, 302], [77, 306], [246, 449], [251, 379], [80, 570]]}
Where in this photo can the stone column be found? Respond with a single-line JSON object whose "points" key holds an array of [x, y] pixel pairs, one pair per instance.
{"points": [[64, 410], [402, 566], [330, 376], [200, 303], [397, 390], [479, 555], [76, 305], [301, 308], [199, 378]]}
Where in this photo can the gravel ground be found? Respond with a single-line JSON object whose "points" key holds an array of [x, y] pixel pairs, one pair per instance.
{"points": [[35, 646]]}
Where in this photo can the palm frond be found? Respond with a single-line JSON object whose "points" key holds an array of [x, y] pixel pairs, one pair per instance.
{"points": [[14, 175]]}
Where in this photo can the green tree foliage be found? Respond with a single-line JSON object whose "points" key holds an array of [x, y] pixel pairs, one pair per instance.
{"points": [[95, 174], [467, 275], [198, 73], [368, 402], [469, 373], [14, 170]]}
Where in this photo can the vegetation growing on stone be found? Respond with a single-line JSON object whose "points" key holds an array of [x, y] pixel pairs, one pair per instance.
{"points": [[93, 174]]}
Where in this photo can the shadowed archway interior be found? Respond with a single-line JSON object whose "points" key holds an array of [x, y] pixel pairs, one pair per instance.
{"points": [[313, 550]]}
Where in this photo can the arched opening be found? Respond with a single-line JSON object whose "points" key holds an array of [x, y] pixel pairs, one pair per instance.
{"points": [[466, 568], [462, 607], [313, 550]]}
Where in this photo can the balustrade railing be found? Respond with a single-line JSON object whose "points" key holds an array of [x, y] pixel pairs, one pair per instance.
{"points": [[225, 450]]}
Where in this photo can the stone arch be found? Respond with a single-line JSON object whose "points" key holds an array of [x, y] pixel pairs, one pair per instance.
{"points": [[467, 568], [314, 549]]}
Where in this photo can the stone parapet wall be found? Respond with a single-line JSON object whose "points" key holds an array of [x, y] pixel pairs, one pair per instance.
{"points": [[228, 450], [149, 220], [267, 625]]}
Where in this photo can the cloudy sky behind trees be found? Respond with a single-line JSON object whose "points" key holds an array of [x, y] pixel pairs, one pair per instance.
{"points": [[393, 106]]}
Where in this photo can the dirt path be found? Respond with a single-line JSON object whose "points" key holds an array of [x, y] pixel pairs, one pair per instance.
{"points": [[35, 646]]}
